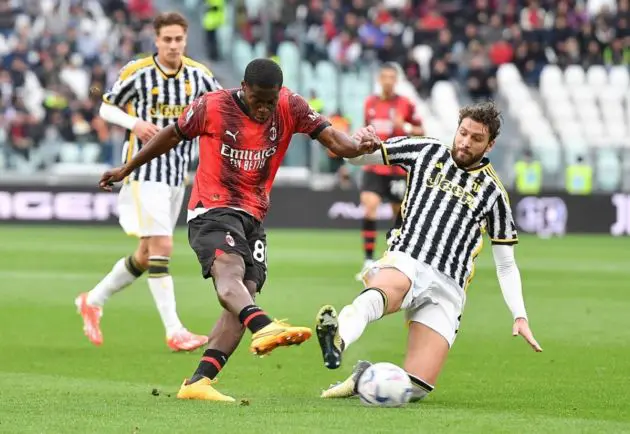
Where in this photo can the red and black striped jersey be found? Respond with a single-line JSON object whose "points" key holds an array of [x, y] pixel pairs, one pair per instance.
{"points": [[238, 156]]}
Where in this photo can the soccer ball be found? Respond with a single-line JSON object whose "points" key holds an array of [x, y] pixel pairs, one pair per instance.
{"points": [[384, 385]]}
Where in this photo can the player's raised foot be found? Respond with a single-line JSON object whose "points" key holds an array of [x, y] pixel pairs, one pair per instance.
{"points": [[347, 388], [359, 277], [91, 319], [202, 390], [328, 336], [183, 340], [278, 334]]}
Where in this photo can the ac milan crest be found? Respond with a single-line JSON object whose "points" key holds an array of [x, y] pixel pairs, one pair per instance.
{"points": [[229, 240]]}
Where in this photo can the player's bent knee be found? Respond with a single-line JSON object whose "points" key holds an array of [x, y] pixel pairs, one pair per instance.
{"points": [[160, 246], [394, 286]]}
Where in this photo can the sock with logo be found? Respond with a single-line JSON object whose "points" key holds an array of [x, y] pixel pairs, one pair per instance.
{"points": [[368, 307], [254, 318], [369, 238], [210, 365], [163, 291], [124, 272]]}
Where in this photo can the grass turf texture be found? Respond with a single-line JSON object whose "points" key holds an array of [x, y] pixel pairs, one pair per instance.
{"points": [[53, 380]]}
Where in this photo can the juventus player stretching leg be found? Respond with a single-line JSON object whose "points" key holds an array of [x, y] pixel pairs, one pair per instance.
{"points": [[453, 196], [155, 90], [244, 135]]}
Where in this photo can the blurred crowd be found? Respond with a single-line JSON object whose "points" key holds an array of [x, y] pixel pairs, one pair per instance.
{"points": [[53, 52], [438, 40]]}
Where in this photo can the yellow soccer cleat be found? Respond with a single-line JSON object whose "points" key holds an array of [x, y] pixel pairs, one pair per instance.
{"points": [[347, 388], [202, 390], [278, 334]]}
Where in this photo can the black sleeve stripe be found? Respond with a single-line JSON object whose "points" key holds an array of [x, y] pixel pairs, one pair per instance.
{"points": [[123, 97], [321, 127], [179, 132]]}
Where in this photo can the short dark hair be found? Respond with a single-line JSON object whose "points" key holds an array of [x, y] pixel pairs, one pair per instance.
{"points": [[169, 19], [391, 66], [485, 113], [264, 73]]}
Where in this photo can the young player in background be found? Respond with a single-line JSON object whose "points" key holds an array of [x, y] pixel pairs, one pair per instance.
{"points": [[391, 115], [244, 135], [149, 95], [453, 196]]}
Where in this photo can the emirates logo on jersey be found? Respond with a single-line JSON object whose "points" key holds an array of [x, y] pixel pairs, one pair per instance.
{"points": [[248, 159]]}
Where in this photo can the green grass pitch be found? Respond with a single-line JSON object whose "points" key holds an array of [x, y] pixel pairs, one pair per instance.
{"points": [[577, 291]]}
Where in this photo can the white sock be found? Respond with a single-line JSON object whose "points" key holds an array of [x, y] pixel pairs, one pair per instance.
{"points": [[119, 278], [366, 308], [163, 290]]}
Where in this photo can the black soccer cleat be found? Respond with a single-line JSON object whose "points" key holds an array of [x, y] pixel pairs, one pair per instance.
{"points": [[328, 336]]}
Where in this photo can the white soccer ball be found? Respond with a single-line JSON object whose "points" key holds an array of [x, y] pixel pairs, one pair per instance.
{"points": [[384, 385]]}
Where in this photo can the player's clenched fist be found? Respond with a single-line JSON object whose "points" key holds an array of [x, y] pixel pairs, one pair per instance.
{"points": [[111, 176], [364, 132]]}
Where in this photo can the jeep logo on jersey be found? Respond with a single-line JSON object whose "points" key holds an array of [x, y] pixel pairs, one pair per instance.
{"points": [[247, 159]]}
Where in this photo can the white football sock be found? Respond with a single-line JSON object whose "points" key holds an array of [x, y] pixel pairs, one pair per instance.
{"points": [[163, 291], [366, 308], [119, 278]]}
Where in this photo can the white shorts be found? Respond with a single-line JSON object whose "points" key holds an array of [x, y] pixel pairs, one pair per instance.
{"points": [[147, 209], [434, 299]]}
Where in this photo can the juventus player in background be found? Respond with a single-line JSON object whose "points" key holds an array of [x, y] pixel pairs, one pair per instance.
{"points": [[453, 196], [390, 115], [154, 92]]}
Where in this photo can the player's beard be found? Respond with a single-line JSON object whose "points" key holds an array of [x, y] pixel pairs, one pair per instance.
{"points": [[465, 158]]}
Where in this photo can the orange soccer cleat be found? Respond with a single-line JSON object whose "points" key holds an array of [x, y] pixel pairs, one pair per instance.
{"points": [[184, 340], [91, 319], [202, 390], [278, 334]]}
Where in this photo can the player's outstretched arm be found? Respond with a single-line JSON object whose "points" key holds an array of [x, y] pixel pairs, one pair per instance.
{"points": [[511, 287], [163, 142], [115, 115], [344, 146]]}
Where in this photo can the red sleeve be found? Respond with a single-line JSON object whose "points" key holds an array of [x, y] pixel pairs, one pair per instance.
{"points": [[193, 122], [305, 119], [412, 116]]}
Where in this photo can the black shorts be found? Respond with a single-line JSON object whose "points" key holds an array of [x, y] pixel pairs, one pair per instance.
{"points": [[230, 231], [391, 188]]}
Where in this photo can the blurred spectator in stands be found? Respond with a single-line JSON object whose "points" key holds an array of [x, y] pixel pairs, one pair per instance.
{"points": [[344, 50], [7, 18], [528, 174], [616, 53], [439, 72], [213, 19], [480, 84], [579, 177], [24, 128], [593, 55], [141, 9]]}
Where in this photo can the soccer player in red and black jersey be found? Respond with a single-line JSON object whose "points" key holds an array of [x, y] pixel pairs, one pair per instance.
{"points": [[244, 134], [391, 115]]}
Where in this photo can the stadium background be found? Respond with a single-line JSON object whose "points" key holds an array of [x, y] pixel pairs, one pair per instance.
{"points": [[559, 70]]}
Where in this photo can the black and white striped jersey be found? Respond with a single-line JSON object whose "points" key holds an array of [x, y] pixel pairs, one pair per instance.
{"points": [[144, 90], [446, 208]]}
